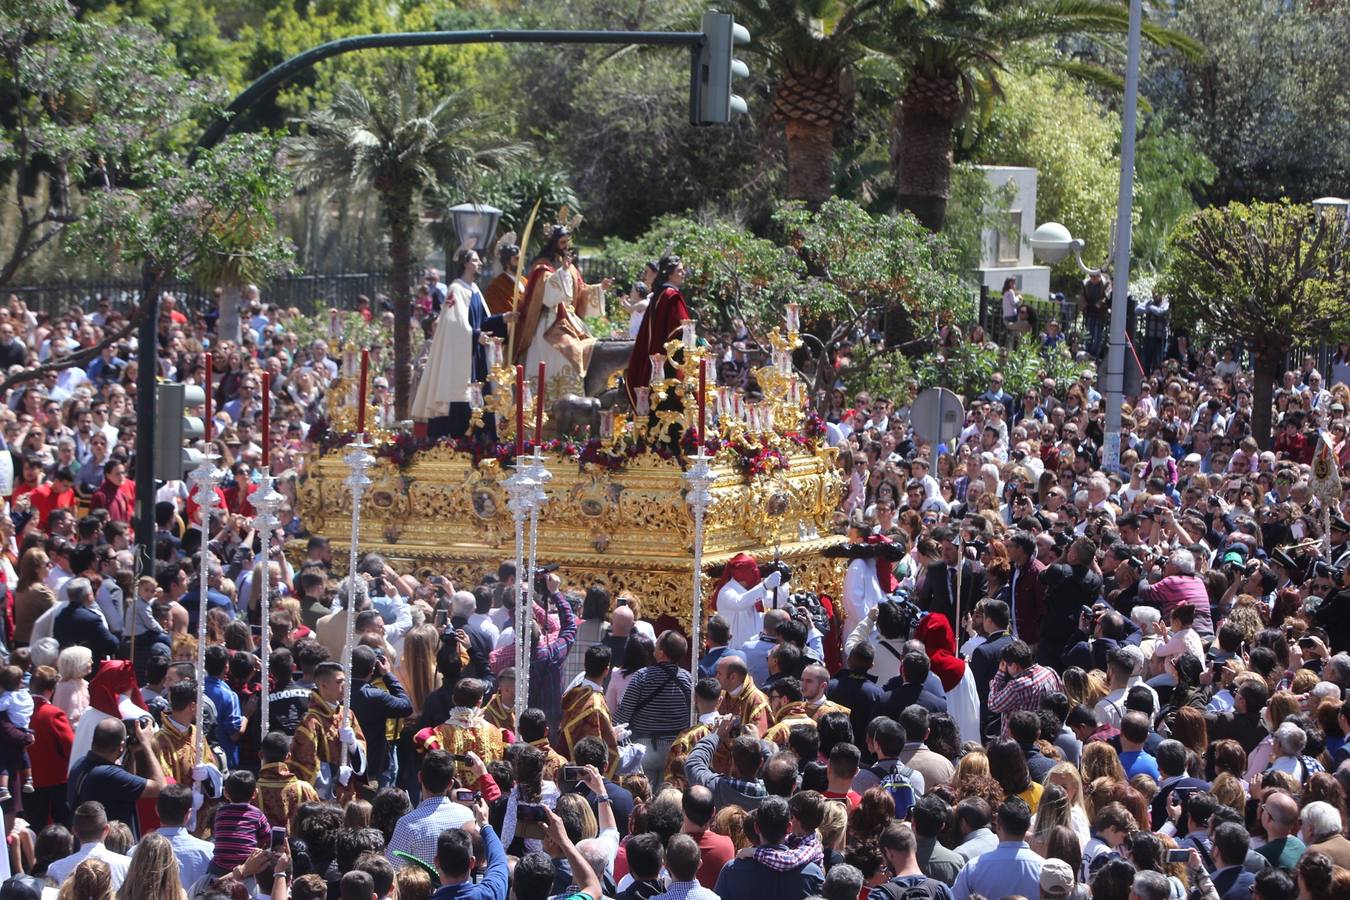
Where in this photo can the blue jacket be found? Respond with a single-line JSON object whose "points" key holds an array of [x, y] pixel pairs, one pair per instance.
{"points": [[1234, 883], [742, 879], [494, 883]]}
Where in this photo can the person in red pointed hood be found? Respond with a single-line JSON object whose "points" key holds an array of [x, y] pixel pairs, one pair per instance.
{"points": [[739, 597], [963, 701]]}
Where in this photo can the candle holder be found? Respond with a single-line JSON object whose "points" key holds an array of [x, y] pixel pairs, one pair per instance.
{"points": [[792, 318], [699, 479], [358, 462], [658, 376], [688, 334], [266, 500], [538, 473], [642, 401], [205, 478], [520, 493], [501, 402]]}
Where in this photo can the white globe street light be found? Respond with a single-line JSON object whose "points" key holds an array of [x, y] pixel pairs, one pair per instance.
{"points": [[1052, 242]]}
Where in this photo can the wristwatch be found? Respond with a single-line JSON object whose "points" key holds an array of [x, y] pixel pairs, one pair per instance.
{"points": [[603, 798]]}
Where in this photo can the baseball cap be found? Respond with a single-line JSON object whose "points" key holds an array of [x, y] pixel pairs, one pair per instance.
{"points": [[1057, 879]]}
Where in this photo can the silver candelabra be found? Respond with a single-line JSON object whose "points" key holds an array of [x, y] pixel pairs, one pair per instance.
{"points": [[204, 478], [266, 501], [698, 478], [358, 461], [520, 491]]}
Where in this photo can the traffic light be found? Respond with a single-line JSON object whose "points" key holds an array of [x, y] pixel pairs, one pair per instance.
{"points": [[173, 460], [711, 100]]}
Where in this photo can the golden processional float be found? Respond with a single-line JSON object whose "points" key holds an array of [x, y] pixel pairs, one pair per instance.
{"points": [[618, 511]]}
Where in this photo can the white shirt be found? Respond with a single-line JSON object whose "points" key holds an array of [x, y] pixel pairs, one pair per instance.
{"points": [[60, 870]]}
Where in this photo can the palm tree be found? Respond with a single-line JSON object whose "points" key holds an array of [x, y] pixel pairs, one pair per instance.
{"points": [[386, 139], [950, 54], [812, 45]]}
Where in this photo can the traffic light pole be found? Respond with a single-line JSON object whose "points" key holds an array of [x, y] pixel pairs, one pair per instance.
{"points": [[260, 89]]}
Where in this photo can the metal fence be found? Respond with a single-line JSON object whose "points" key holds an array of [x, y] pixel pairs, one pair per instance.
{"points": [[307, 293]]}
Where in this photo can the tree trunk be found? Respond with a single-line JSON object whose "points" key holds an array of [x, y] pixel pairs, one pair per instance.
{"points": [[921, 146], [400, 256], [228, 327], [1267, 370], [810, 161]]}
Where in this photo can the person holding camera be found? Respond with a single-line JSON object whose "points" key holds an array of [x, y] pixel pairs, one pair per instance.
{"points": [[100, 775], [378, 698]]}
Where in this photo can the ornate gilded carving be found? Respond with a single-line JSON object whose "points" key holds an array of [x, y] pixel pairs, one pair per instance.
{"points": [[628, 529]]}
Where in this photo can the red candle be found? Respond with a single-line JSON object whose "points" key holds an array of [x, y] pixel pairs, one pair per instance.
{"points": [[206, 425], [361, 394], [267, 418], [539, 407], [520, 410], [702, 395]]}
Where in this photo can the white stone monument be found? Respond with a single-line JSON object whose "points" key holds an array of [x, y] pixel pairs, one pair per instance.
{"points": [[1006, 252]]}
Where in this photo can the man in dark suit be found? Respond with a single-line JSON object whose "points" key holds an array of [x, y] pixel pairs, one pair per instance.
{"points": [[1108, 632], [856, 689], [907, 688], [1067, 588], [591, 751], [985, 658], [81, 623], [1231, 880], [939, 587], [719, 640], [463, 605]]}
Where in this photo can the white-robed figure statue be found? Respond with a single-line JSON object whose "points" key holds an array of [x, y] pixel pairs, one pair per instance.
{"points": [[740, 594], [549, 327], [457, 357]]}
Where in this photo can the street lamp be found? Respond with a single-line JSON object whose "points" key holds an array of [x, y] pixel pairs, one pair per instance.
{"points": [[475, 225], [1051, 243]]}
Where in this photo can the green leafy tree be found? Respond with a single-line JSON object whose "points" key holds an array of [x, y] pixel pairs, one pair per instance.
{"points": [[844, 266], [952, 57], [1051, 123], [1170, 172], [86, 106], [1265, 276], [1267, 102], [388, 137]]}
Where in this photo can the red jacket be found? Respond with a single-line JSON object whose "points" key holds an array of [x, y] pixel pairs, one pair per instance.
{"points": [[118, 499], [52, 740]]}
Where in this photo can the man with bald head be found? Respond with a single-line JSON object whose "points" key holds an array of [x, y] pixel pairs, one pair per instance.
{"points": [[620, 628], [815, 681], [1279, 815], [741, 698], [99, 775], [755, 651]]}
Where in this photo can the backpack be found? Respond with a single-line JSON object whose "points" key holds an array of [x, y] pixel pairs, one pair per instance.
{"points": [[924, 891], [897, 784]]}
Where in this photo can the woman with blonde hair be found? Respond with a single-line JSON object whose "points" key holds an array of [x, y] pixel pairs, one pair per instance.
{"points": [[153, 873], [730, 822], [976, 762], [417, 667], [573, 809], [72, 691], [1052, 812], [833, 828], [1066, 776], [1100, 760], [91, 880], [1084, 688]]}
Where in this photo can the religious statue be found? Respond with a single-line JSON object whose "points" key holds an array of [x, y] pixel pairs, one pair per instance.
{"points": [[458, 357], [549, 326], [502, 291], [662, 320]]}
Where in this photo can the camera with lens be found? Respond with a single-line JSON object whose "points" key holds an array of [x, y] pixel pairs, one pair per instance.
{"points": [[541, 579], [905, 610]]}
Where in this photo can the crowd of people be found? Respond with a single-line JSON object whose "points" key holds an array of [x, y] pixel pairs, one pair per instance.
{"points": [[1040, 679]]}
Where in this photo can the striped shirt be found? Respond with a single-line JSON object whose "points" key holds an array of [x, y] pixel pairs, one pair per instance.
{"points": [[240, 829], [656, 701]]}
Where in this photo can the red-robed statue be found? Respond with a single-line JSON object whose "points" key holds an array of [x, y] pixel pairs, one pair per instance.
{"points": [[663, 320]]}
